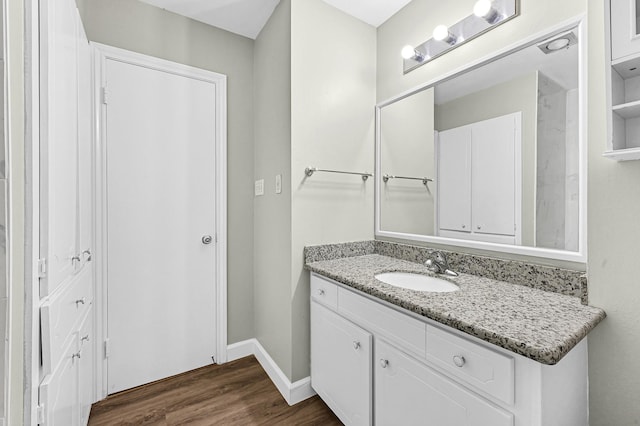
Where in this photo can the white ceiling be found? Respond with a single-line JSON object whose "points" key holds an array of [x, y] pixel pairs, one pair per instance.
{"points": [[373, 12], [244, 17], [248, 17]]}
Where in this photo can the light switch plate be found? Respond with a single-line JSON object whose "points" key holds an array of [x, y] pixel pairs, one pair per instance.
{"points": [[278, 184], [259, 187]]}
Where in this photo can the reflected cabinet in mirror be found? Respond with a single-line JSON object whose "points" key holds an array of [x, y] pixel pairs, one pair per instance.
{"points": [[490, 157]]}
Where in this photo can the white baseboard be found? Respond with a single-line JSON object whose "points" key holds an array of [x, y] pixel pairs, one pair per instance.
{"points": [[291, 392], [241, 349]]}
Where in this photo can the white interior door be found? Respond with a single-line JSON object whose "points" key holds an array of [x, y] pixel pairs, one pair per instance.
{"points": [[160, 167]]}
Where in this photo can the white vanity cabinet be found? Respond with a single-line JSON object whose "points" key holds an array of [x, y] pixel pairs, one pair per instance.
{"points": [[375, 363], [479, 180]]}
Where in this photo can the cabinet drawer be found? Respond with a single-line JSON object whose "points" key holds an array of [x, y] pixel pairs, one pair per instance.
{"points": [[407, 332], [483, 368], [60, 316], [324, 292], [86, 355]]}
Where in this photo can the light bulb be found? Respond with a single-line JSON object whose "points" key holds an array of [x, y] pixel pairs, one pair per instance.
{"points": [[558, 44], [442, 33], [484, 9], [408, 52]]}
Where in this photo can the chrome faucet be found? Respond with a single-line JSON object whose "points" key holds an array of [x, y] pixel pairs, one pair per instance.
{"points": [[438, 263]]}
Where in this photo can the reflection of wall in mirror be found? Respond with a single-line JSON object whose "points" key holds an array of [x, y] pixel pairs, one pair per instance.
{"points": [[406, 149], [557, 167], [4, 302], [517, 95]]}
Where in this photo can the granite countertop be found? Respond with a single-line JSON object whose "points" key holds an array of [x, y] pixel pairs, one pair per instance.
{"points": [[539, 325]]}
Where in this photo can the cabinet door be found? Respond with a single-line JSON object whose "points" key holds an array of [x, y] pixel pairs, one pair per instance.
{"points": [[494, 175], [341, 365], [59, 391], [86, 344], [408, 392], [454, 179], [59, 139], [625, 28]]}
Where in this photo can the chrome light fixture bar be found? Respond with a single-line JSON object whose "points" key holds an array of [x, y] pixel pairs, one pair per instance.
{"points": [[487, 14]]}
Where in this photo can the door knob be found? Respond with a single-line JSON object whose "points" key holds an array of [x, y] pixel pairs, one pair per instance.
{"points": [[207, 239]]}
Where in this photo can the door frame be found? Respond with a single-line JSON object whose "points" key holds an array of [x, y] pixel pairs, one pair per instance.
{"points": [[102, 53]]}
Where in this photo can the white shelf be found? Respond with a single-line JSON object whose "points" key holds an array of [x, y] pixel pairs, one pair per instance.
{"points": [[627, 67], [628, 110], [623, 154]]}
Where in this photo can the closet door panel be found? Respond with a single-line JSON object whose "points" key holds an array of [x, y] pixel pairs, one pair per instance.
{"points": [[493, 176], [59, 149], [85, 151], [454, 179]]}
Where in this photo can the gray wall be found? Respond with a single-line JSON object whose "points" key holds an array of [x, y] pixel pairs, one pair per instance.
{"points": [[272, 212], [614, 270], [136, 26], [407, 149], [517, 95], [333, 72]]}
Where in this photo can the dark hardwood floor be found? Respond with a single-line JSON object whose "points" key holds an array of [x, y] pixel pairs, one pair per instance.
{"points": [[237, 393]]}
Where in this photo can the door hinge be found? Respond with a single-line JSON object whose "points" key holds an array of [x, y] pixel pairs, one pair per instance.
{"points": [[106, 348], [42, 268], [104, 95], [40, 412]]}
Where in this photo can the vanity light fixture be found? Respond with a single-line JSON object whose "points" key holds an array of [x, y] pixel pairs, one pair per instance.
{"points": [[484, 9], [487, 14], [410, 52], [442, 33]]}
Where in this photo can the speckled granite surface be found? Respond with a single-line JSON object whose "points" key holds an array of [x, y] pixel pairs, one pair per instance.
{"points": [[337, 251], [547, 278], [540, 325]]}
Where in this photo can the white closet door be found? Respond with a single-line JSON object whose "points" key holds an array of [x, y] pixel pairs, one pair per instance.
{"points": [[160, 155], [59, 150], [85, 153], [494, 175], [454, 179]]}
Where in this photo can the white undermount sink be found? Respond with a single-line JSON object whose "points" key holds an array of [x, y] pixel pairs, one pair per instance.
{"points": [[417, 282]]}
